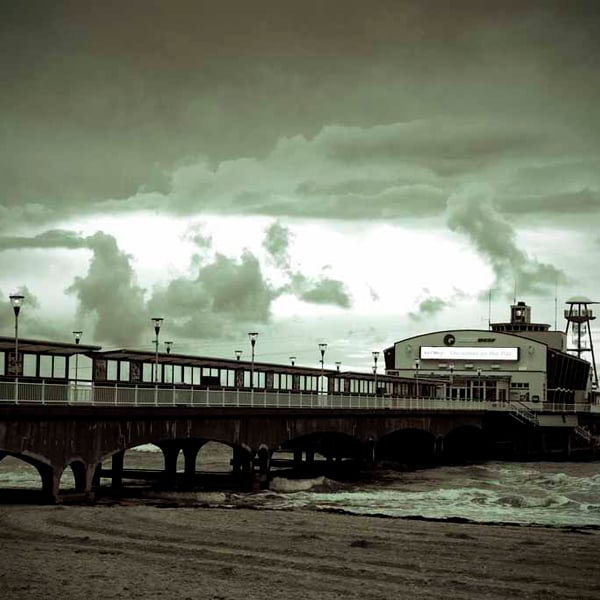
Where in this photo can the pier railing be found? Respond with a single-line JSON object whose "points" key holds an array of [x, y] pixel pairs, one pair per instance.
{"points": [[86, 394]]}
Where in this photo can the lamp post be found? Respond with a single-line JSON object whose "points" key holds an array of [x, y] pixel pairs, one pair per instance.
{"points": [[293, 360], [322, 348], [479, 394], [238, 354], [252, 335], [168, 346], [338, 364], [417, 365], [375, 357], [451, 366], [77, 336], [16, 300], [157, 323]]}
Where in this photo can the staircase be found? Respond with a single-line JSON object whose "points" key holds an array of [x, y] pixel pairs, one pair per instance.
{"points": [[523, 414], [584, 434]]}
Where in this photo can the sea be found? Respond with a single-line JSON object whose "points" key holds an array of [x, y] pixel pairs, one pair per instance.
{"points": [[552, 494]]}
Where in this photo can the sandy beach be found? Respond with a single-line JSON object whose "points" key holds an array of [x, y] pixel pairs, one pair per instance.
{"points": [[142, 551]]}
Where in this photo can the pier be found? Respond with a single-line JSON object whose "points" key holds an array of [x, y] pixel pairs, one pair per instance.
{"points": [[89, 430]]}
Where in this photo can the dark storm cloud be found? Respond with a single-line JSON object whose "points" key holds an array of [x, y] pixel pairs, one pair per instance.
{"points": [[110, 292], [277, 244], [584, 201], [224, 294], [119, 101], [322, 290], [428, 307], [55, 238], [472, 213]]}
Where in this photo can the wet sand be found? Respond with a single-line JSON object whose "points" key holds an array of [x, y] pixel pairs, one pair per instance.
{"points": [[141, 551]]}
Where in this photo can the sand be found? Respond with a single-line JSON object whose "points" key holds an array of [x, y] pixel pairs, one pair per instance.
{"points": [[142, 551]]}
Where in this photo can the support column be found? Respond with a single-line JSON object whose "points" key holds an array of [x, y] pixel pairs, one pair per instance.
{"points": [[170, 452], [368, 459], [50, 482], [297, 459], [438, 451], [190, 454], [241, 461], [261, 475], [79, 475], [97, 476], [117, 469]]}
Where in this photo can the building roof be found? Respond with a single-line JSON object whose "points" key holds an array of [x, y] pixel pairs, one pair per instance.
{"points": [[7, 344]]}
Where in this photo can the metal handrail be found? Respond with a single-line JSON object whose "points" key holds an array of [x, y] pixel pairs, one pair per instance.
{"points": [[54, 394]]}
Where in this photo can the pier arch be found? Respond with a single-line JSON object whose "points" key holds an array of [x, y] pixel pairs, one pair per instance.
{"points": [[464, 443], [411, 446]]}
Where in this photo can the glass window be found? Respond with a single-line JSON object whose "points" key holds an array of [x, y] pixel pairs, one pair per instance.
{"points": [[29, 365], [231, 378], [187, 375], [124, 371], [60, 367], [147, 372], [168, 371], [247, 379], [259, 379], [112, 369], [177, 376], [285, 381], [2, 363], [45, 366], [195, 375]]}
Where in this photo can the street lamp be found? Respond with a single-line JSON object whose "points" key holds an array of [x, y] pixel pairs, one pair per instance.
{"points": [[338, 364], [293, 360], [375, 357], [322, 348], [238, 354], [252, 335], [16, 300], [479, 394], [168, 346], [451, 367], [77, 336], [417, 365], [157, 323]]}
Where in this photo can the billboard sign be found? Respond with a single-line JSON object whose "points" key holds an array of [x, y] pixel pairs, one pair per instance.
{"points": [[468, 353]]}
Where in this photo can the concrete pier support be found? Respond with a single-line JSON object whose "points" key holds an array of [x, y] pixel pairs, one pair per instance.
{"points": [[298, 459], [170, 452], [438, 451], [50, 482], [117, 469], [262, 464], [80, 476], [368, 459], [241, 462], [97, 476], [190, 449]]}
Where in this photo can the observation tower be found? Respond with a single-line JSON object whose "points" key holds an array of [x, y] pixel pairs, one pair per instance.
{"points": [[579, 315]]}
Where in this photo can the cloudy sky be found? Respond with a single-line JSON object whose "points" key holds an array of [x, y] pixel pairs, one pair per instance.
{"points": [[339, 171]]}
